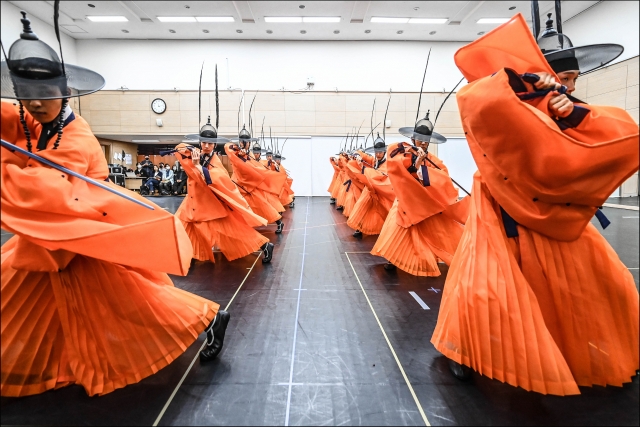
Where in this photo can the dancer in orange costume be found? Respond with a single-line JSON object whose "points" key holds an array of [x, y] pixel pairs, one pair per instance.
{"points": [[535, 296], [80, 303], [426, 220], [259, 186], [333, 187], [371, 209], [214, 213], [287, 196], [353, 185]]}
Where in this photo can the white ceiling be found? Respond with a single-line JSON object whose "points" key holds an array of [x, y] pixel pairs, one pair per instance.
{"points": [[249, 17]]}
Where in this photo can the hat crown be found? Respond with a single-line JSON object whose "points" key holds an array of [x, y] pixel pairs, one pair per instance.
{"points": [[257, 148], [551, 40], [31, 58], [208, 131], [244, 134], [424, 126], [379, 142]]}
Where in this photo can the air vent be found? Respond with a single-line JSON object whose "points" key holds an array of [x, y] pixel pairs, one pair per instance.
{"points": [[454, 22], [357, 21], [248, 21], [146, 20]]}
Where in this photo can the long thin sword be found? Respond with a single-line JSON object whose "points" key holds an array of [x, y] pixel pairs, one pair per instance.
{"points": [[15, 148]]}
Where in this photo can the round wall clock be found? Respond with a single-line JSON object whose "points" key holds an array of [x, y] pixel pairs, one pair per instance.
{"points": [[158, 106]]}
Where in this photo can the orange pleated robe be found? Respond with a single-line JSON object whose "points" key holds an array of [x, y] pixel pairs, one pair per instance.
{"points": [[286, 194], [371, 209], [425, 223], [333, 187], [341, 193], [215, 214], [353, 187], [552, 308], [83, 302], [259, 185]]}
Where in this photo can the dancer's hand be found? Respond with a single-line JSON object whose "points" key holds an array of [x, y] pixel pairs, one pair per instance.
{"points": [[560, 106], [547, 81], [195, 156]]}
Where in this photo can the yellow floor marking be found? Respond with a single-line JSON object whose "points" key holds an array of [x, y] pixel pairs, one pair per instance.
{"points": [[404, 375], [166, 405]]}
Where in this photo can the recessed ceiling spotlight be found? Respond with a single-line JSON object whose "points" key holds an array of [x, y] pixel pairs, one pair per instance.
{"points": [[186, 6], [367, 31], [239, 31], [432, 32], [172, 31], [512, 7], [336, 32], [269, 32], [125, 31], [481, 33], [205, 31], [91, 5], [303, 32], [416, 8], [301, 6], [400, 32]]}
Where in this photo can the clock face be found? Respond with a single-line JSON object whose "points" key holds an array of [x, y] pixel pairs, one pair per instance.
{"points": [[158, 106]]}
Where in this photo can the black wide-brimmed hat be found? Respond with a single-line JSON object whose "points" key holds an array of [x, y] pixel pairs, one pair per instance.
{"points": [[379, 145], [208, 133], [423, 132], [244, 136], [561, 54], [33, 70]]}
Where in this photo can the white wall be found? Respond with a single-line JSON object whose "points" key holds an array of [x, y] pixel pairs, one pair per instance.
{"points": [[607, 22], [271, 65], [11, 27]]}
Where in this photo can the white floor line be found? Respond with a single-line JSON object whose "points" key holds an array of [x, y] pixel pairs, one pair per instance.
{"points": [[419, 300], [166, 405], [613, 205], [295, 325]]}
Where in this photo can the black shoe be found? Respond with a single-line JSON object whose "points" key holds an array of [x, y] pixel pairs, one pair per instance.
{"points": [[267, 252], [215, 336], [358, 233], [332, 201], [339, 208], [461, 372], [280, 226], [292, 205], [389, 267]]}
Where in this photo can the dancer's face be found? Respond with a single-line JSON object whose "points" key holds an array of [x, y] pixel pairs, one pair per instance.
{"points": [[207, 147], [569, 79], [43, 110], [379, 155]]}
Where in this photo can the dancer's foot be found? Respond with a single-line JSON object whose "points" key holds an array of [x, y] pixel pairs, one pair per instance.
{"points": [[358, 233], [332, 201], [461, 372], [389, 267], [339, 208], [280, 227], [292, 204], [215, 336], [267, 252]]}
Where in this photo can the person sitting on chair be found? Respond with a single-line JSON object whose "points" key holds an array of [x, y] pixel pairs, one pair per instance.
{"points": [[167, 180], [154, 181], [180, 180]]}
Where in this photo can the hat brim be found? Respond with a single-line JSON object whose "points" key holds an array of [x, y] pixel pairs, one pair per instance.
{"points": [[434, 138], [245, 140], [78, 81], [370, 150], [196, 137], [590, 57]]}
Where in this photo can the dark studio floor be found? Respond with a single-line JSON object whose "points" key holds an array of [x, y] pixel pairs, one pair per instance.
{"points": [[306, 346]]}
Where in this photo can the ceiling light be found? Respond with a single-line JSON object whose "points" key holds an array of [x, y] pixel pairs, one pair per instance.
{"points": [[432, 32], [336, 32], [367, 31], [176, 19], [186, 6], [146, 140], [107, 18], [400, 32], [389, 20], [512, 7], [301, 6], [269, 32], [312, 19], [481, 33], [172, 31], [205, 31], [288, 19], [428, 20], [91, 5], [303, 32], [125, 31], [215, 19], [493, 20], [239, 31]]}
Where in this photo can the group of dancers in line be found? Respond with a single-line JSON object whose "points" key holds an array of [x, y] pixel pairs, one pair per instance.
{"points": [[534, 297], [80, 303]]}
